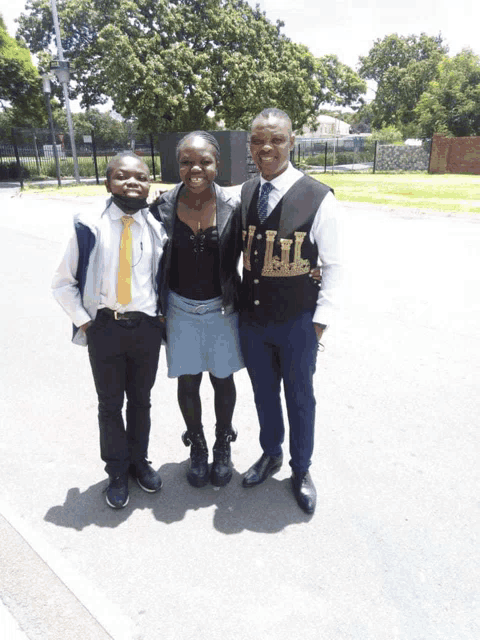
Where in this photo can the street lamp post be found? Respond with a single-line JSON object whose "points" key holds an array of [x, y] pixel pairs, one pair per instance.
{"points": [[61, 69], [47, 90]]}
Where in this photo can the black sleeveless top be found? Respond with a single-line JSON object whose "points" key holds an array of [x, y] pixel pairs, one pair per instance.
{"points": [[195, 265]]}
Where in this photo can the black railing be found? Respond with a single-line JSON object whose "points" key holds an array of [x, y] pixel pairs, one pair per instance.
{"points": [[28, 154]]}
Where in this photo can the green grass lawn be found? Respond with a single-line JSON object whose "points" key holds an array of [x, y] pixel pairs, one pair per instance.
{"points": [[450, 192]]}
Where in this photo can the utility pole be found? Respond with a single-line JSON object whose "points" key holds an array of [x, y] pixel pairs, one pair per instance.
{"points": [[47, 90], [61, 69]]}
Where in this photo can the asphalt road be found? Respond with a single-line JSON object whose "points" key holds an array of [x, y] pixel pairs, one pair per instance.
{"points": [[392, 550]]}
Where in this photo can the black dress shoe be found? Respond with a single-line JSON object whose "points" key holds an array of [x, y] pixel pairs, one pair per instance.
{"points": [[147, 478], [304, 491], [117, 491], [262, 468]]}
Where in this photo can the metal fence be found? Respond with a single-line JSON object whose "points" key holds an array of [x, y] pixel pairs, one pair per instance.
{"points": [[29, 154], [347, 153], [359, 153]]}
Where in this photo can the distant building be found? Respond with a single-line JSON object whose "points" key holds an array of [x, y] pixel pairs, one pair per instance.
{"points": [[326, 126]]}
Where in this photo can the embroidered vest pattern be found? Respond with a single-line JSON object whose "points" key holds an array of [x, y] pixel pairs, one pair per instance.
{"points": [[247, 251], [278, 266]]}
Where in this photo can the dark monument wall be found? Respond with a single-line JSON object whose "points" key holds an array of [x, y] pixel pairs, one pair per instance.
{"points": [[234, 165]]}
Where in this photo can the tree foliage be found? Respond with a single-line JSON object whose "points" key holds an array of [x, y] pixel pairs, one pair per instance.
{"points": [[451, 103], [340, 85], [108, 130], [176, 64], [402, 67], [387, 135], [20, 86]]}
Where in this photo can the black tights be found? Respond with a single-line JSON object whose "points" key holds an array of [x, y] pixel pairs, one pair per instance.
{"points": [[190, 404]]}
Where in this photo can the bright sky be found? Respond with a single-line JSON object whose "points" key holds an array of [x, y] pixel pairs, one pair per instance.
{"points": [[348, 28]]}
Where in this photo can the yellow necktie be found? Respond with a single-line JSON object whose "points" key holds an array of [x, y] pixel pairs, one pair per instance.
{"points": [[124, 284]]}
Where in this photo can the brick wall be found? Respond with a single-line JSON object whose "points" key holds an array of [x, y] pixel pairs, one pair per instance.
{"points": [[455, 155]]}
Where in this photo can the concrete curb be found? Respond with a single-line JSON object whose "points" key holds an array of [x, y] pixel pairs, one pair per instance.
{"points": [[47, 597]]}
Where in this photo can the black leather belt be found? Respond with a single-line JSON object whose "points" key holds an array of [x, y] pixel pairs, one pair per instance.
{"points": [[128, 315]]}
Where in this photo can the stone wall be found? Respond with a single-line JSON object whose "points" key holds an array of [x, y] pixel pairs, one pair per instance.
{"points": [[393, 157]]}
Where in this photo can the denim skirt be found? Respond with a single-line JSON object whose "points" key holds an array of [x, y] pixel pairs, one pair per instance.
{"points": [[201, 338]]}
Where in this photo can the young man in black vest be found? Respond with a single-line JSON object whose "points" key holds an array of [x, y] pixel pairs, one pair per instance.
{"points": [[290, 225]]}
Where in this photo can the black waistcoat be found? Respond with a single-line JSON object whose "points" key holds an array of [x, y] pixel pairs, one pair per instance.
{"points": [[278, 254]]}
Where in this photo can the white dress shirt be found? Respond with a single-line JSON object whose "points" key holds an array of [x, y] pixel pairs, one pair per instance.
{"points": [[325, 233], [109, 229], [143, 294]]}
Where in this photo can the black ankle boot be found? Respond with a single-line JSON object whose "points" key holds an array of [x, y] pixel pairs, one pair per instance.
{"points": [[197, 474], [221, 473]]}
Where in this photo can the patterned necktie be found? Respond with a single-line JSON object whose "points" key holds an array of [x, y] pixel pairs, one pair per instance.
{"points": [[263, 201], [124, 284]]}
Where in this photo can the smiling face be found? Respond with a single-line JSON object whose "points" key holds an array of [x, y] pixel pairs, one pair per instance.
{"points": [[129, 177], [271, 141], [197, 164]]}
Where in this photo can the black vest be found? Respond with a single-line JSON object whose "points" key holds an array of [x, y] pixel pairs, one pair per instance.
{"points": [[278, 254]]}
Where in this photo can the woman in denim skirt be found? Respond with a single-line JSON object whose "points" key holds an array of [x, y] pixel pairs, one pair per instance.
{"points": [[199, 299]]}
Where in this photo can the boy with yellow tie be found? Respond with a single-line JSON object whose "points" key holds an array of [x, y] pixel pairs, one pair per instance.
{"points": [[107, 282]]}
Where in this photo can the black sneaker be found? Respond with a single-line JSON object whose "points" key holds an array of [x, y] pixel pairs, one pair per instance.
{"points": [[148, 479], [117, 491]]}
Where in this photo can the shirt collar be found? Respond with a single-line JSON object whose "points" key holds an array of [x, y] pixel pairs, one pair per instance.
{"points": [[116, 213], [281, 181]]}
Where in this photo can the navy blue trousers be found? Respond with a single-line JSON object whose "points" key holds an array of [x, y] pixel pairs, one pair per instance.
{"points": [[276, 352], [124, 360]]}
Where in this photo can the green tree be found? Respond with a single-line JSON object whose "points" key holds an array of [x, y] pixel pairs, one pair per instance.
{"points": [[387, 135], [108, 131], [361, 119], [451, 103], [20, 85], [183, 64], [340, 85], [402, 67]]}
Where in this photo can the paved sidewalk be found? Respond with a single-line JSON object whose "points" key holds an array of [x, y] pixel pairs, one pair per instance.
{"points": [[9, 626], [390, 554], [35, 584]]}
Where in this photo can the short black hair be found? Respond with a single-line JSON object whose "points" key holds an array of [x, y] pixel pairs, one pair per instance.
{"points": [[119, 156], [199, 134], [273, 112]]}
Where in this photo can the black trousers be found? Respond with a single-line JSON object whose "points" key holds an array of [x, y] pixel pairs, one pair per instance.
{"points": [[124, 360]]}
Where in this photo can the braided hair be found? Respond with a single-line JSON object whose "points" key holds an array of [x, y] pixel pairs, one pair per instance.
{"points": [[199, 134]]}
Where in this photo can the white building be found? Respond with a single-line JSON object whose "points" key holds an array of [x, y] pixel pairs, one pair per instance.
{"points": [[326, 126]]}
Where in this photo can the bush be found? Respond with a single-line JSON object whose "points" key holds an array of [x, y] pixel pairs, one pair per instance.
{"points": [[387, 135], [46, 168], [341, 157], [9, 171]]}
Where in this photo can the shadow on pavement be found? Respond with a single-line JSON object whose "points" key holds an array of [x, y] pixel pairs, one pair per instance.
{"points": [[268, 508], [82, 509]]}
